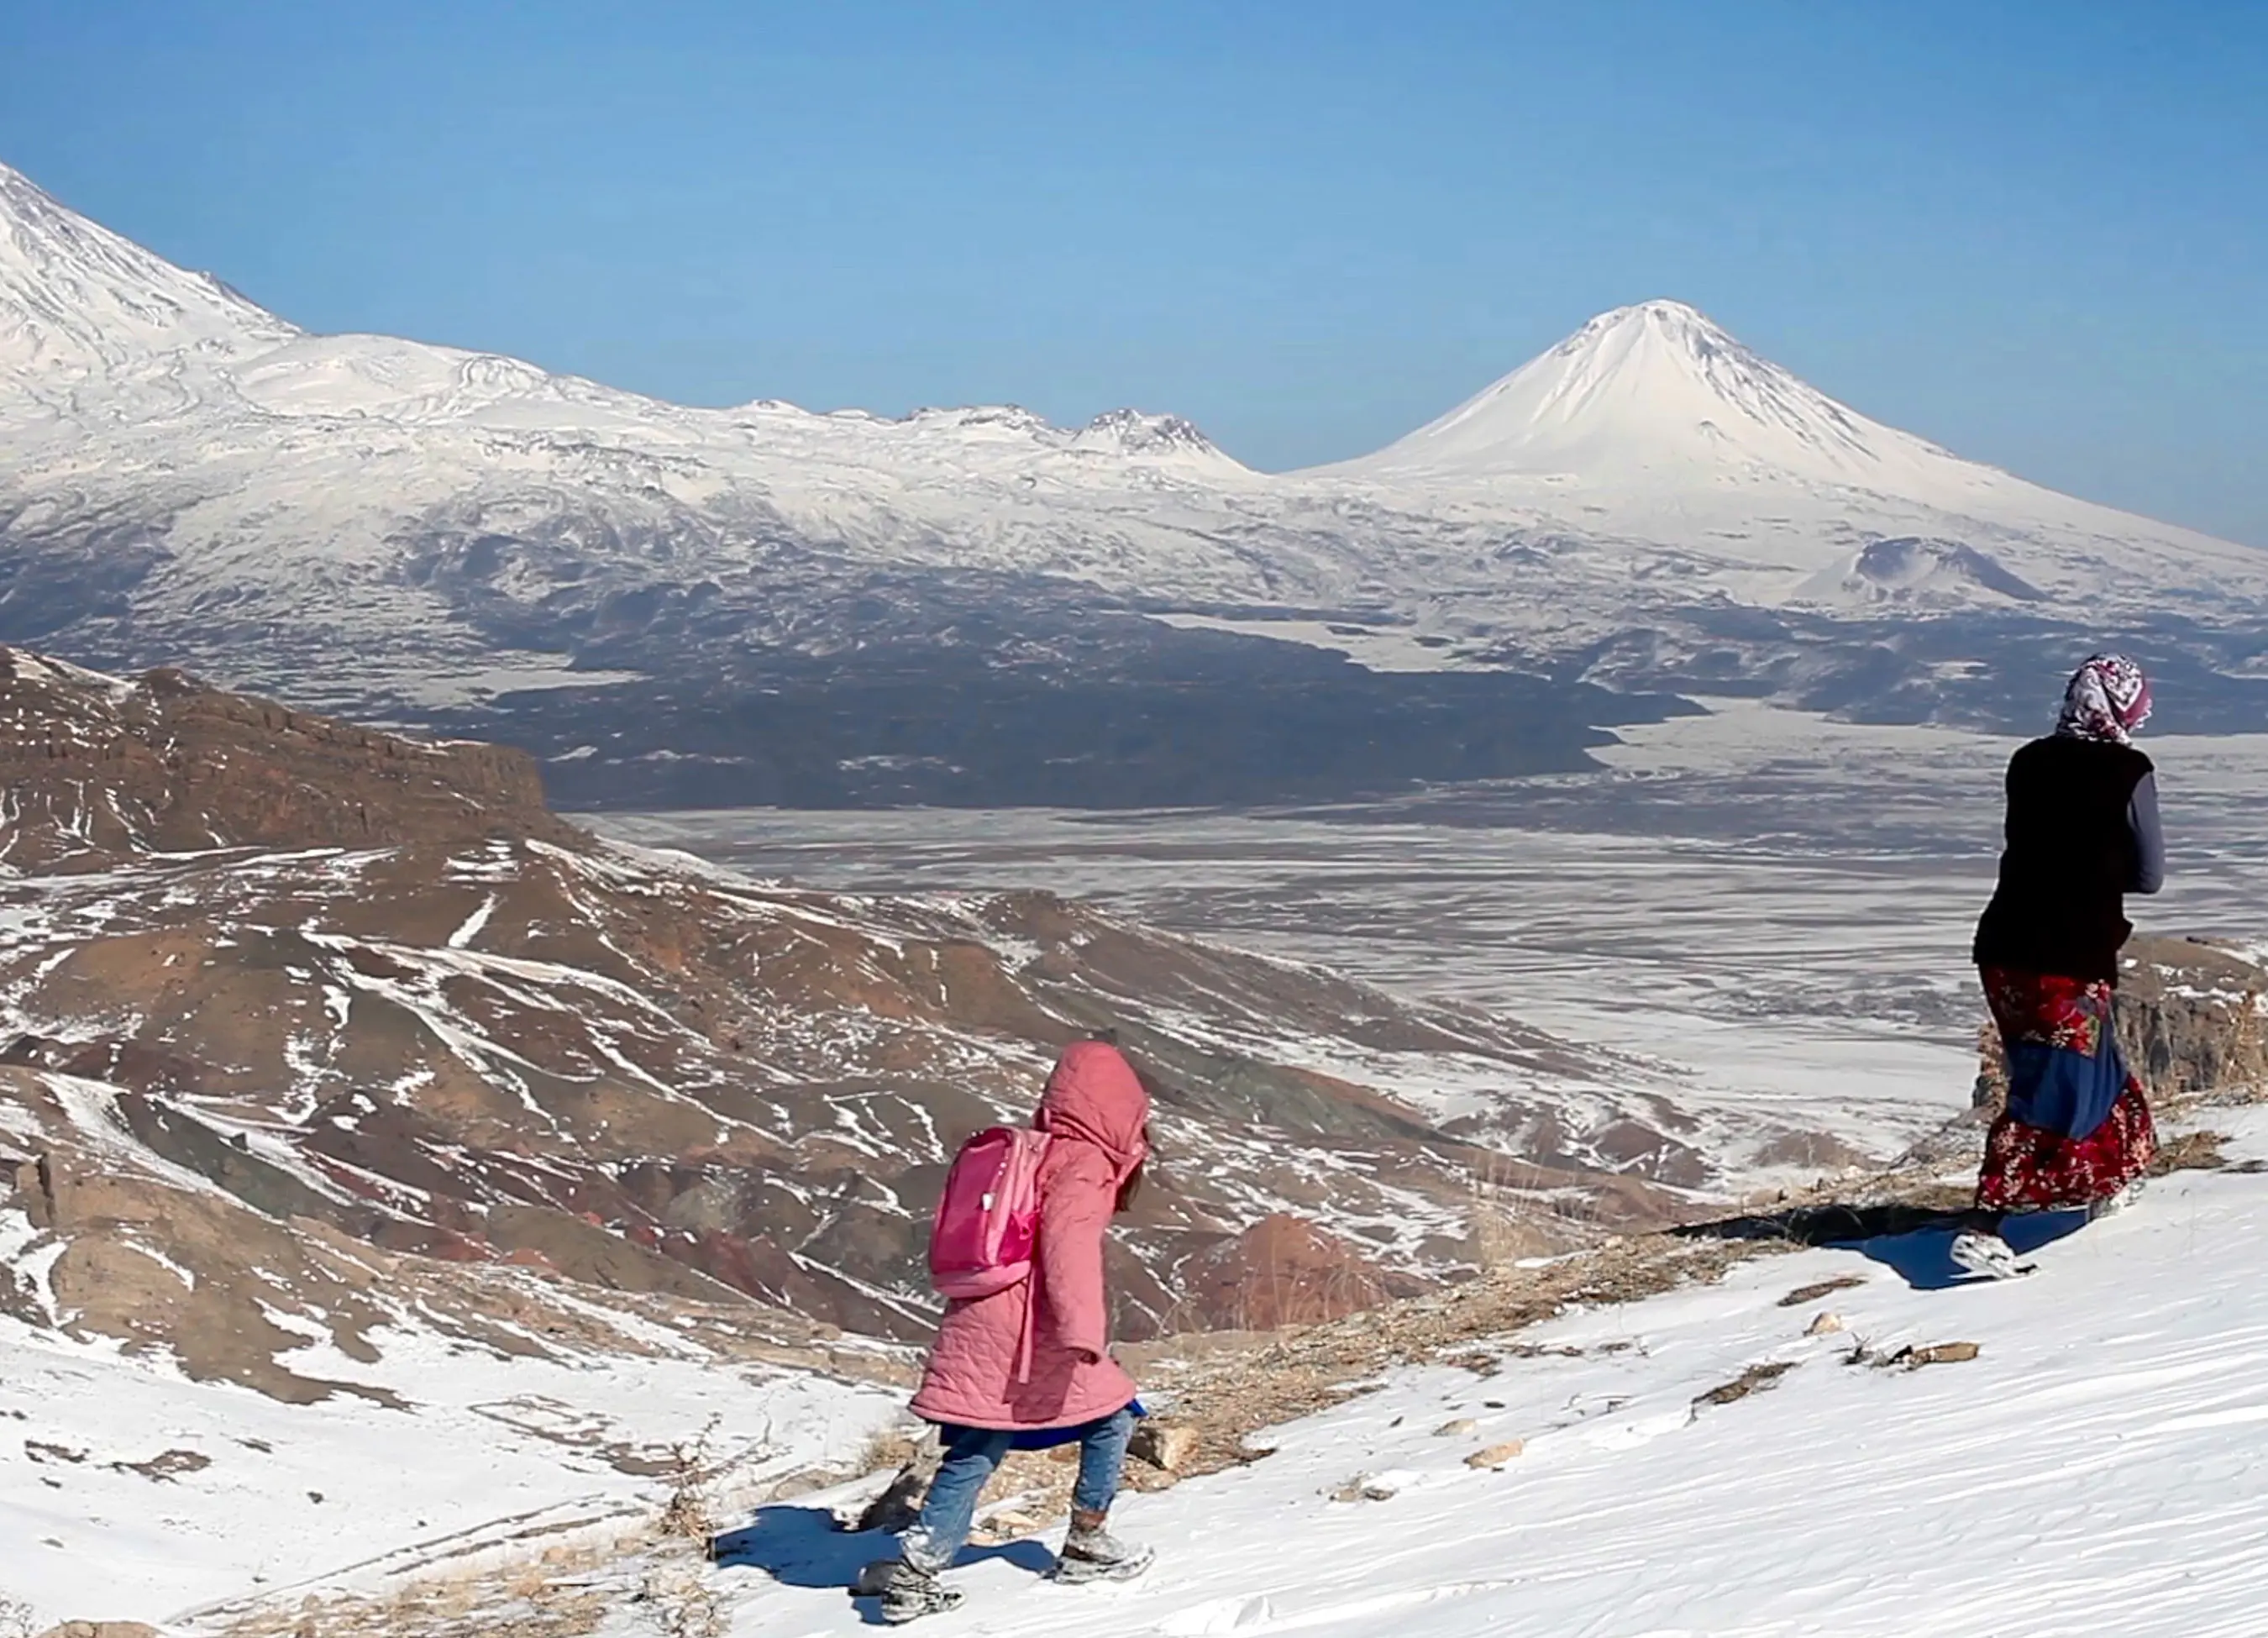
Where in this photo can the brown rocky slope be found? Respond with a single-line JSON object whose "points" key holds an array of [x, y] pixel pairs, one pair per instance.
{"points": [[374, 989]]}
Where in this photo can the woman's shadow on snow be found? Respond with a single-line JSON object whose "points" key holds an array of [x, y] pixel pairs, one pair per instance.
{"points": [[1915, 1243], [807, 1546]]}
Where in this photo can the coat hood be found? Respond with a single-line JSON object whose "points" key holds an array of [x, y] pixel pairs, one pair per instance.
{"points": [[1094, 1094]]}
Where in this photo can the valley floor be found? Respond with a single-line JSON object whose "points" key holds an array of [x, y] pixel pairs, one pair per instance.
{"points": [[1773, 909], [2094, 1469]]}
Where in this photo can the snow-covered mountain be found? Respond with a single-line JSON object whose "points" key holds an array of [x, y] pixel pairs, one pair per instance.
{"points": [[380, 524], [1654, 425]]}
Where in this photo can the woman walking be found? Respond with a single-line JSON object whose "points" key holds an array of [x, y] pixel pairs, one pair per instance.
{"points": [[2082, 831], [1030, 1365]]}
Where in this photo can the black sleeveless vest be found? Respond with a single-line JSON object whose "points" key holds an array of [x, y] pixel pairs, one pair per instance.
{"points": [[2060, 907]]}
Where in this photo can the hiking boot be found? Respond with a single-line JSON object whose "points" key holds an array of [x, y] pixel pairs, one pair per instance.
{"points": [[909, 1594], [1987, 1254], [1091, 1553], [2111, 1206]]}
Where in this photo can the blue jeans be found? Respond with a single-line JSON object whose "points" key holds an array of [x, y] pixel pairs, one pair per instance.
{"points": [[971, 1456]]}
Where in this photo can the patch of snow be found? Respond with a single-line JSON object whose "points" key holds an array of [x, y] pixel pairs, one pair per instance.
{"points": [[340, 1493], [2086, 1473]]}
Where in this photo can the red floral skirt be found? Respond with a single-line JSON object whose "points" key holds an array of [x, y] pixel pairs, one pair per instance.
{"points": [[2037, 1168]]}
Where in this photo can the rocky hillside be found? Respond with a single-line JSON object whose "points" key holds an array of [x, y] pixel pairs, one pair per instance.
{"points": [[95, 770], [372, 990], [2192, 1019]]}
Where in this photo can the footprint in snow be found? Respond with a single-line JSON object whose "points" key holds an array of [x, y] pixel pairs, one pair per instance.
{"points": [[1254, 1615]]}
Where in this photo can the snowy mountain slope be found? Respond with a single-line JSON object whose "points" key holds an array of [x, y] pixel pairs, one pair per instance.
{"points": [[372, 523], [78, 302], [2089, 1471]]}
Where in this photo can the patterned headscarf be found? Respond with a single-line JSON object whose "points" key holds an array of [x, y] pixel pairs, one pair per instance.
{"points": [[2108, 698]]}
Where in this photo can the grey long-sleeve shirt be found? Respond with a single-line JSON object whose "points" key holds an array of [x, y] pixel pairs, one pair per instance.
{"points": [[2149, 837]]}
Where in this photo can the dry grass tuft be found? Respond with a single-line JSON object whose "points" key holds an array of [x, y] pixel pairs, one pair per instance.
{"points": [[2191, 1151], [690, 1515], [888, 1449], [1756, 1379]]}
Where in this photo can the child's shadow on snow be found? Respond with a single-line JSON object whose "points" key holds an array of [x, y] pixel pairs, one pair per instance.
{"points": [[803, 1546], [1924, 1258]]}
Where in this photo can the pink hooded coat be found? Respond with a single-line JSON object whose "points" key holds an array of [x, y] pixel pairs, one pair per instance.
{"points": [[1094, 1110]]}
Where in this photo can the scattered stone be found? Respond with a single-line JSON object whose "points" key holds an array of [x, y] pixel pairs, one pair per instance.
{"points": [[1547, 1350], [166, 1465], [1457, 1429], [804, 1484], [1367, 1487], [1823, 1325], [1911, 1358], [101, 1629], [1166, 1446], [1496, 1454], [1802, 1294]]}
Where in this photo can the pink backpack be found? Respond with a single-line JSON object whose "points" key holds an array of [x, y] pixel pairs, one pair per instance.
{"points": [[988, 1218]]}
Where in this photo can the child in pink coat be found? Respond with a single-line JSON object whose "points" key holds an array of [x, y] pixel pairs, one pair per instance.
{"points": [[1031, 1365]]}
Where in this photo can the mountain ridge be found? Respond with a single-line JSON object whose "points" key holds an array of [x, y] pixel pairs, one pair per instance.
{"points": [[466, 541]]}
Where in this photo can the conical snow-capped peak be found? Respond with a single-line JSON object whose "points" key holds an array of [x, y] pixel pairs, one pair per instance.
{"points": [[1655, 389], [76, 297]]}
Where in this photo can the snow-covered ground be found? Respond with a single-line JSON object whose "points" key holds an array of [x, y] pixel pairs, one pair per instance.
{"points": [[2094, 1469], [193, 1493]]}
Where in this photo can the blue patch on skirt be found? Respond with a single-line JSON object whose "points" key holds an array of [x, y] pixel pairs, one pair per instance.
{"points": [[2056, 1089]]}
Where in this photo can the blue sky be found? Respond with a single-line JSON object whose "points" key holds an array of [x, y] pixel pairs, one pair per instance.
{"points": [[2035, 232]]}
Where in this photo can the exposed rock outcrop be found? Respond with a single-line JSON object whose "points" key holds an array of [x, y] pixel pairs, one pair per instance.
{"points": [[94, 769], [369, 987], [2193, 1020], [2193, 1015]]}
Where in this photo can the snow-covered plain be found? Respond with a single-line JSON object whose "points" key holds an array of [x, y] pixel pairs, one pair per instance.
{"points": [[2095, 1469], [1774, 906]]}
